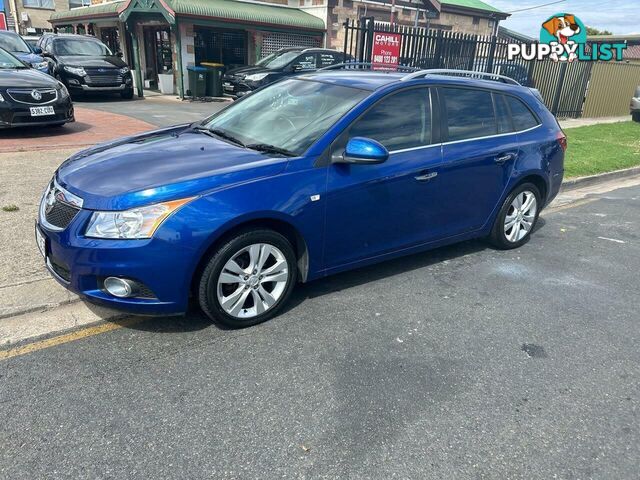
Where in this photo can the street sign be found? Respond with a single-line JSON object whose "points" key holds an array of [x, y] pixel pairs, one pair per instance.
{"points": [[385, 54]]}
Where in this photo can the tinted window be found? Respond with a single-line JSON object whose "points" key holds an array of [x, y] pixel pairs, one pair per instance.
{"points": [[502, 113], [306, 61], [79, 46], [13, 43], [469, 113], [327, 58], [522, 116], [401, 120]]}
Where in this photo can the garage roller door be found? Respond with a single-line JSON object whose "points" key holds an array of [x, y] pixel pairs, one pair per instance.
{"points": [[272, 42]]}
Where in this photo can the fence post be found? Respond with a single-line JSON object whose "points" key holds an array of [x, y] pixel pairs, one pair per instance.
{"points": [[363, 35], [347, 32], [556, 97], [438, 51], [370, 29], [492, 53]]}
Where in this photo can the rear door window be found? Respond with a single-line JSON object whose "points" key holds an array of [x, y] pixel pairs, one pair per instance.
{"points": [[469, 113], [521, 115], [502, 114], [329, 58], [398, 121]]}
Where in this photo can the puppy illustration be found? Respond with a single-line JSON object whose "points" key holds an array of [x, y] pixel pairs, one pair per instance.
{"points": [[563, 28]]}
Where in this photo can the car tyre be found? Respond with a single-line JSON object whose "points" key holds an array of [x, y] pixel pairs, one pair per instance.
{"points": [[517, 217], [219, 294], [127, 94], [635, 116]]}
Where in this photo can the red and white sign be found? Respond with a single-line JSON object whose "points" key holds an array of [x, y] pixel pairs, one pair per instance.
{"points": [[3, 21], [385, 54]]}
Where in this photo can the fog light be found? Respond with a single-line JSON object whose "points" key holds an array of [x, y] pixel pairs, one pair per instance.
{"points": [[119, 287]]}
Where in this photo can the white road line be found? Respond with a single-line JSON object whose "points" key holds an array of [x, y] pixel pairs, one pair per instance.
{"points": [[612, 239]]}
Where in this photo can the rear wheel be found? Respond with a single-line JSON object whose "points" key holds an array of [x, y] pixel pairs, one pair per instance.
{"points": [[517, 217], [635, 116], [248, 279]]}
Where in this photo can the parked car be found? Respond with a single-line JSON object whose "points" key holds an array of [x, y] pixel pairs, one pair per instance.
{"points": [[286, 62], [32, 41], [634, 106], [86, 65], [305, 178], [14, 44], [29, 97]]}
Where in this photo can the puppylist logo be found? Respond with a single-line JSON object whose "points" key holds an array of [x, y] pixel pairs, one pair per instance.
{"points": [[563, 38]]}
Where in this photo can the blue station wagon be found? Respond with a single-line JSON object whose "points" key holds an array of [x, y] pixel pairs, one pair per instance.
{"points": [[305, 178]]}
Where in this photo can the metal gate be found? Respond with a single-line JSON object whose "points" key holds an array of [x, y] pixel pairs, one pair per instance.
{"points": [[562, 86]]}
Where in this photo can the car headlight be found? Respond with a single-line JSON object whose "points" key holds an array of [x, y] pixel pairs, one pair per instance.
{"points": [[256, 77], [64, 93], [39, 65], [124, 70], [139, 222], [79, 71], [1, 98]]}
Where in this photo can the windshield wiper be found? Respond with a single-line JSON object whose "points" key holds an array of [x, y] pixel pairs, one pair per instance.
{"points": [[266, 148], [218, 133]]}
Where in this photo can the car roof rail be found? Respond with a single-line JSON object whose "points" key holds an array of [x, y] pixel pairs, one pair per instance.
{"points": [[453, 72], [386, 67]]}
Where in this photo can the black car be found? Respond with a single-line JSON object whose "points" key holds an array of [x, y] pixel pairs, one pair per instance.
{"points": [[29, 97], [85, 64], [283, 63]]}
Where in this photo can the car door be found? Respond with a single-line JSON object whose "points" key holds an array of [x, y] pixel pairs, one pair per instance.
{"points": [[479, 152], [376, 209]]}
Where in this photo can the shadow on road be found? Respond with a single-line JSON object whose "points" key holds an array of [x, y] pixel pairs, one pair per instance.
{"points": [[195, 320], [21, 133]]}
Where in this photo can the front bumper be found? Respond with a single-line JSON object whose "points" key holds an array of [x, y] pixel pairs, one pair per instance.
{"points": [[237, 88], [80, 264], [14, 114]]}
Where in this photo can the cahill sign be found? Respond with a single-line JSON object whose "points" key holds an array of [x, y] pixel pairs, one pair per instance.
{"points": [[563, 38]]}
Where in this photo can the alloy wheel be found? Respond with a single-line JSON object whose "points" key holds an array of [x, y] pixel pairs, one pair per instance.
{"points": [[252, 280], [520, 217]]}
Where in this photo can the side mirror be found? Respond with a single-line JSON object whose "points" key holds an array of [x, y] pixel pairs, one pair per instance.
{"points": [[119, 54], [45, 54], [363, 150], [37, 50]]}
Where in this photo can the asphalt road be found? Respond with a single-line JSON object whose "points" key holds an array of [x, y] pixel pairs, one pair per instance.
{"points": [[464, 362], [152, 109]]}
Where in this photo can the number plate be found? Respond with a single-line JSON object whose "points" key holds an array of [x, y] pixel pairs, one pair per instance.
{"points": [[41, 242], [41, 111]]}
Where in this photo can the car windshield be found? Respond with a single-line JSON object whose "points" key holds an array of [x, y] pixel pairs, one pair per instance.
{"points": [[77, 46], [9, 62], [289, 115], [14, 43], [278, 60]]}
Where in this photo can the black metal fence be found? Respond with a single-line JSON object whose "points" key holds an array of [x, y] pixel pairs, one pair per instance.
{"points": [[562, 86]]}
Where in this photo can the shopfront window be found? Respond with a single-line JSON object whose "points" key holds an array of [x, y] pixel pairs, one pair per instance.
{"points": [[228, 47]]}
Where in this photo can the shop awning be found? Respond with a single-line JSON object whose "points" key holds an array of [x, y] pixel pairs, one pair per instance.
{"points": [[98, 11], [231, 11]]}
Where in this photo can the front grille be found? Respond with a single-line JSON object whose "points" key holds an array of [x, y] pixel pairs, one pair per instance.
{"points": [[107, 77], [33, 96], [60, 214], [61, 270]]}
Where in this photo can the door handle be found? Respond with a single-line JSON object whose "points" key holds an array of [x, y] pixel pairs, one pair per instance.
{"points": [[425, 177], [504, 158]]}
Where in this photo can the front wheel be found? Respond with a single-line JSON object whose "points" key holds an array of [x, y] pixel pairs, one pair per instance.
{"points": [[127, 94], [517, 217], [248, 279]]}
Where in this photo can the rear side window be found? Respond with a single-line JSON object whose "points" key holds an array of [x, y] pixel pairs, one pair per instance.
{"points": [[469, 113], [502, 114], [306, 61], [521, 115], [328, 58], [398, 121]]}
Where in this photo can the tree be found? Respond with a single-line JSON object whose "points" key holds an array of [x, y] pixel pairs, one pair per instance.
{"points": [[595, 31]]}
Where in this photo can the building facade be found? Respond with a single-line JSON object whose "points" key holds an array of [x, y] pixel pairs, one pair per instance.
{"points": [[165, 37], [31, 17]]}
